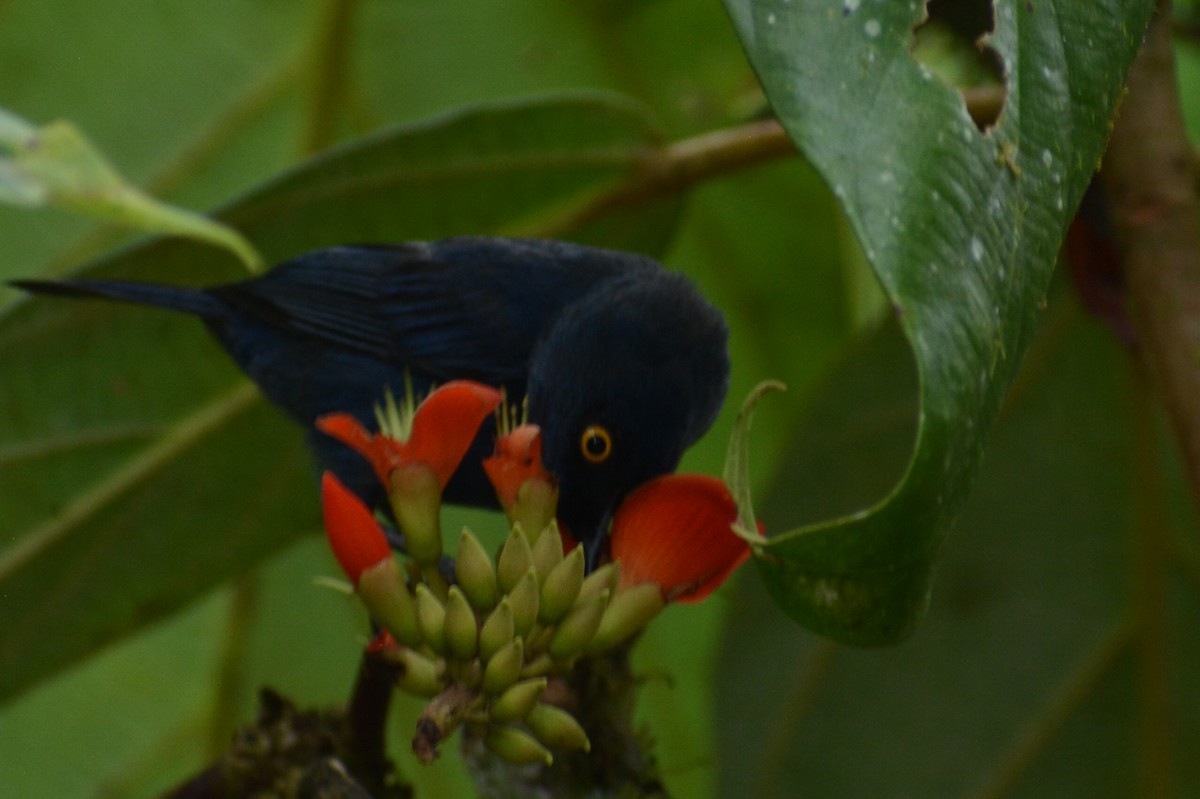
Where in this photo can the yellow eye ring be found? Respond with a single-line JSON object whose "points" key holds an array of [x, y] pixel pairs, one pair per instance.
{"points": [[595, 444]]}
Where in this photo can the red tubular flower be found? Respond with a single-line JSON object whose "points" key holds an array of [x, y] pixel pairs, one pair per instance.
{"points": [[518, 458], [415, 461], [526, 491], [443, 428], [676, 531], [362, 549], [355, 536]]}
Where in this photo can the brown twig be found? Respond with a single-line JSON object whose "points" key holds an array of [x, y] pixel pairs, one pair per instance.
{"points": [[441, 718], [1148, 172], [675, 168], [679, 166]]}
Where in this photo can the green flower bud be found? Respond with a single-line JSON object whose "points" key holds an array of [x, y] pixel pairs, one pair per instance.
{"points": [[384, 592], [557, 728], [628, 613], [516, 558], [547, 551], [475, 573], [462, 631], [540, 666], [534, 509], [497, 630], [416, 500], [431, 619], [517, 700], [517, 746], [577, 628], [604, 577], [560, 587], [524, 600], [418, 674], [504, 667]]}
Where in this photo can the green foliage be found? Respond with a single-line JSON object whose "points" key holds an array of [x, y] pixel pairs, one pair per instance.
{"points": [[1036, 669], [961, 226], [139, 473]]}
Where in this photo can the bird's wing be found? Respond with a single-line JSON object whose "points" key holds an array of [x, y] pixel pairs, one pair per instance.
{"points": [[462, 308]]}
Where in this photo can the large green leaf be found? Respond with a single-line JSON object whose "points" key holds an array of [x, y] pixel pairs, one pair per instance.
{"points": [[1050, 649], [138, 469], [961, 226]]}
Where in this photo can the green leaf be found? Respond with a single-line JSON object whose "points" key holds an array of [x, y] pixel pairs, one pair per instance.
{"points": [[737, 461], [1045, 648], [57, 166], [138, 469], [960, 225]]}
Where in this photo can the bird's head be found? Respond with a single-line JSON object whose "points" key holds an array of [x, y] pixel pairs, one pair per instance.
{"points": [[625, 380]]}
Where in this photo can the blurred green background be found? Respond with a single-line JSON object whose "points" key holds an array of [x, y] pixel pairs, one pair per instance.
{"points": [[1040, 671]]}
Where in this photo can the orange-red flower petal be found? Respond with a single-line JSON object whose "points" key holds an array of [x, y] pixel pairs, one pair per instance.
{"points": [[446, 423], [443, 428], [377, 449], [357, 540], [676, 531], [518, 458]]}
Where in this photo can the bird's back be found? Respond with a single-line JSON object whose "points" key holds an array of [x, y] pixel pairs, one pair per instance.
{"points": [[330, 330]]}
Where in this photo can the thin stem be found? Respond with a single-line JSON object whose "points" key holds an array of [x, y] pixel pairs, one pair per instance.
{"points": [[795, 708], [1061, 706], [366, 719], [231, 664], [328, 72], [1186, 557], [161, 452], [1151, 549]]}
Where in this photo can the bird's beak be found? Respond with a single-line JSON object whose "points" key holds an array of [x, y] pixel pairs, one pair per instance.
{"points": [[596, 547]]}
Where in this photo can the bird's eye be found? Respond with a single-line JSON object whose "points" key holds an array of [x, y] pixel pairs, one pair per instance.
{"points": [[595, 444]]}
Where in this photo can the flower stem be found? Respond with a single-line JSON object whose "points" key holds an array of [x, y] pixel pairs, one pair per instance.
{"points": [[366, 716]]}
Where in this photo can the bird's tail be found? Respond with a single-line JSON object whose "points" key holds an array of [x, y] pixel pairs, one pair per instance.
{"points": [[176, 298]]}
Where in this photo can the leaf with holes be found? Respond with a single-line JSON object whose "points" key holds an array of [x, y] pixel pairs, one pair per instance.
{"points": [[961, 225]]}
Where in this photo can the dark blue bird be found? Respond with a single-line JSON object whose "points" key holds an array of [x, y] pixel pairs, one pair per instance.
{"points": [[604, 344]]}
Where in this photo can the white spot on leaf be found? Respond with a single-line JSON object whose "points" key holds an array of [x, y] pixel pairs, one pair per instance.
{"points": [[976, 249]]}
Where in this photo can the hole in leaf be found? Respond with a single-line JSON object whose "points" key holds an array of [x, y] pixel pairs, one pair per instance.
{"points": [[952, 43]]}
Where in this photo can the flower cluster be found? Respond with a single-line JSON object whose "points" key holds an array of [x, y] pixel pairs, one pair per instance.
{"points": [[485, 645]]}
